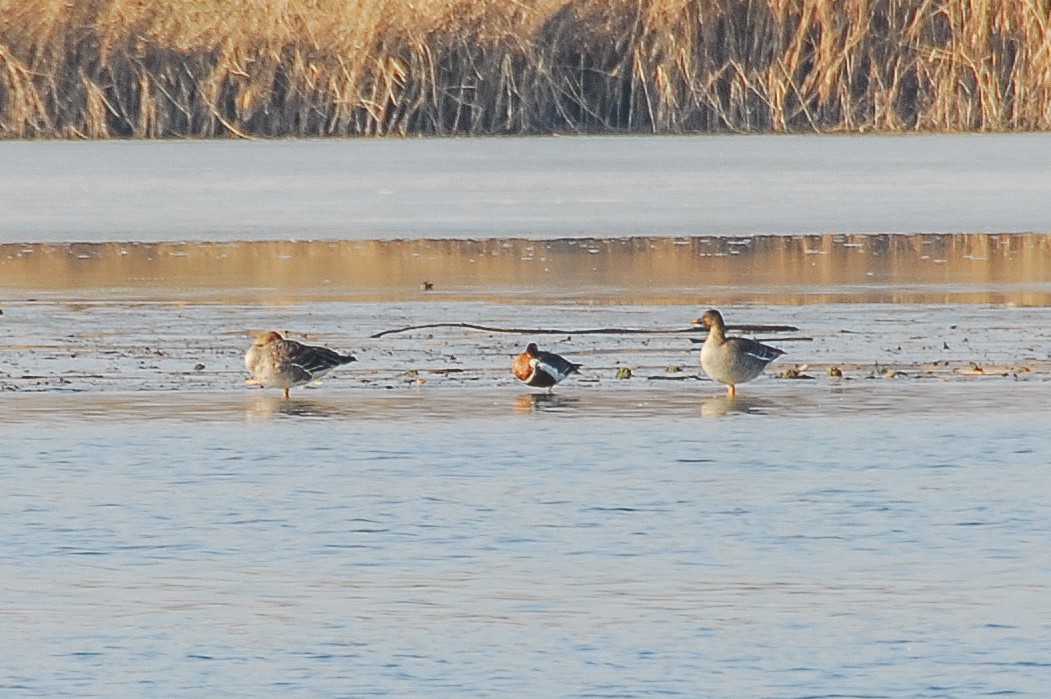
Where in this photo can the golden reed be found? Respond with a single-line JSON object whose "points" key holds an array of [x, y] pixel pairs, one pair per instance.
{"points": [[206, 68]]}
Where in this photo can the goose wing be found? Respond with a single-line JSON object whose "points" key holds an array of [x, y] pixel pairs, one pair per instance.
{"points": [[757, 350], [311, 361]]}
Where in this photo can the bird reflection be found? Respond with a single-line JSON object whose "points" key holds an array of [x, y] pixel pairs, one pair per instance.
{"points": [[717, 406], [541, 402], [268, 406]]}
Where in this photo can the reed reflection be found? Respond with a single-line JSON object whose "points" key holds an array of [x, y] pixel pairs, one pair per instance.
{"points": [[977, 268]]}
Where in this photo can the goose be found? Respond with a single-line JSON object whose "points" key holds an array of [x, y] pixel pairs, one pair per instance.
{"points": [[279, 363], [732, 360]]}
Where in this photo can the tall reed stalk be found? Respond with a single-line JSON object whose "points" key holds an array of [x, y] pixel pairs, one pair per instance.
{"points": [[135, 68]]}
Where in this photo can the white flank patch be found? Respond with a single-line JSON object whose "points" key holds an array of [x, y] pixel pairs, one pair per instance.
{"points": [[548, 369]]}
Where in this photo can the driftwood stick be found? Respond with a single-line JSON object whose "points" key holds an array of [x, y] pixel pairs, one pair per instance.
{"points": [[585, 331], [800, 338]]}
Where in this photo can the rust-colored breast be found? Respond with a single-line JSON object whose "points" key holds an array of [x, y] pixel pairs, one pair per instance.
{"points": [[521, 367]]}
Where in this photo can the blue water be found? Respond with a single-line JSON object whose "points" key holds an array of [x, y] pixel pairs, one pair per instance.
{"points": [[403, 532], [806, 541]]}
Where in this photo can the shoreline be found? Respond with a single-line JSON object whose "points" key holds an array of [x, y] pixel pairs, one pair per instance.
{"points": [[155, 348]]}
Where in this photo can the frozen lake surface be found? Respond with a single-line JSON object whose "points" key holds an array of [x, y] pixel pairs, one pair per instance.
{"points": [[530, 187], [421, 524]]}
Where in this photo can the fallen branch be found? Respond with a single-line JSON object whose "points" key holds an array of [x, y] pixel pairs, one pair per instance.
{"points": [[800, 338], [586, 331]]}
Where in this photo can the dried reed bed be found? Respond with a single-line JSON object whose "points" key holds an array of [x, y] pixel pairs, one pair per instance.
{"points": [[104, 68]]}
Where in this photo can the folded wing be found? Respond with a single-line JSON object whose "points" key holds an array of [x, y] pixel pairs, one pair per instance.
{"points": [[310, 361]]}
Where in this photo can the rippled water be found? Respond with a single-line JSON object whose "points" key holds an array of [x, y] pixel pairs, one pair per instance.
{"points": [[420, 524], [809, 542], [168, 531]]}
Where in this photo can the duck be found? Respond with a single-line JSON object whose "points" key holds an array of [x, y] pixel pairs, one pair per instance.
{"points": [[279, 363], [732, 360], [540, 369]]}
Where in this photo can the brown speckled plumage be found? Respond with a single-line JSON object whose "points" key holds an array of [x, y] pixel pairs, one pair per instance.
{"points": [[279, 363]]}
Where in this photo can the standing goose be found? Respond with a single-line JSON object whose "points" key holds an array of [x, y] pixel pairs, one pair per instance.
{"points": [[274, 361], [732, 360], [541, 369]]}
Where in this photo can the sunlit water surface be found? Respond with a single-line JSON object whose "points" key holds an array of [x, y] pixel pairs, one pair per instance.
{"points": [[804, 540], [419, 524]]}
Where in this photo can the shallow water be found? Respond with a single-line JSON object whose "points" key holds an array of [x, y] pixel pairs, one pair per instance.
{"points": [[854, 541], [420, 524], [403, 529]]}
